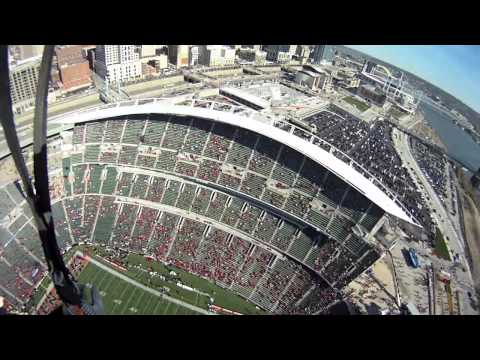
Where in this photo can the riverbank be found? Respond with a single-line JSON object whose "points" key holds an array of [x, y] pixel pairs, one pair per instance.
{"points": [[472, 231], [466, 185], [469, 203], [457, 141], [423, 129], [475, 136]]}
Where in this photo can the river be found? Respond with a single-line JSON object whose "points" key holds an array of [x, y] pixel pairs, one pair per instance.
{"points": [[457, 141]]}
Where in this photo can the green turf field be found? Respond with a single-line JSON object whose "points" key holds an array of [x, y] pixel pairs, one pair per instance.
{"points": [[221, 296], [123, 298], [138, 270]]}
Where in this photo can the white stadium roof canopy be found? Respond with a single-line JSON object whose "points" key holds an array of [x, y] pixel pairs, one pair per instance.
{"points": [[310, 150]]}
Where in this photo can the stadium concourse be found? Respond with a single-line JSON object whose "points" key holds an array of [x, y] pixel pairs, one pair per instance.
{"points": [[223, 202]]}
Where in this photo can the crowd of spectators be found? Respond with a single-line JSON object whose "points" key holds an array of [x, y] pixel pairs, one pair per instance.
{"points": [[378, 155], [372, 147], [317, 300]]}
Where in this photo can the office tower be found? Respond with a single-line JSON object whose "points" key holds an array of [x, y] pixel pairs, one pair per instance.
{"points": [[117, 63]]}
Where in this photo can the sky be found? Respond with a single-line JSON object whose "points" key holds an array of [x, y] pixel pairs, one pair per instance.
{"points": [[453, 68]]}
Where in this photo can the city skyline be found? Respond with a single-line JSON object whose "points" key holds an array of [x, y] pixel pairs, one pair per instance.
{"points": [[461, 61]]}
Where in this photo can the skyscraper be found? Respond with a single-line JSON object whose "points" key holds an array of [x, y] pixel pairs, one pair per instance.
{"points": [[193, 54], [117, 63], [23, 84], [280, 53], [216, 55], [318, 53], [148, 50], [178, 55], [324, 53]]}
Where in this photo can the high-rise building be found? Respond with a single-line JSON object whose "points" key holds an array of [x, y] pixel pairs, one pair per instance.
{"points": [[228, 56], [216, 55], [193, 54], [323, 53], [90, 56], [147, 50], [117, 63], [254, 47], [280, 53], [303, 53], [258, 57], [86, 49], [318, 53], [178, 55], [73, 67], [159, 62], [293, 49], [23, 83], [29, 51]]}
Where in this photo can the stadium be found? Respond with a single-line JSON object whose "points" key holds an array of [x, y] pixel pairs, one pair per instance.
{"points": [[267, 211]]}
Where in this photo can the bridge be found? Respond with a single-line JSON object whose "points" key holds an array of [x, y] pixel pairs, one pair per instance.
{"points": [[437, 106]]}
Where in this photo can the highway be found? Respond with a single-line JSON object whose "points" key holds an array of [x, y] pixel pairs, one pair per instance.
{"points": [[24, 121], [440, 217]]}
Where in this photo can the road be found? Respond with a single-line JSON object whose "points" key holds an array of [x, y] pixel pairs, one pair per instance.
{"points": [[440, 216], [24, 122]]}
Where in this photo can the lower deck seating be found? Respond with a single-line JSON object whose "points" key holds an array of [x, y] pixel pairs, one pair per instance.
{"points": [[143, 228], [163, 235], [61, 226], [104, 224], [124, 225]]}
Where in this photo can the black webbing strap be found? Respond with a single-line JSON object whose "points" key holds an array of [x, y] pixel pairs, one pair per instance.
{"points": [[39, 201]]}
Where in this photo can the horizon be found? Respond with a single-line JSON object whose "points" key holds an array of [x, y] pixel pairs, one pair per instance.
{"points": [[429, 63]]}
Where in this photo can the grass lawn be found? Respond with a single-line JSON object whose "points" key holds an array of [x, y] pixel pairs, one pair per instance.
{"points": [[360, 105], [441, 248]]}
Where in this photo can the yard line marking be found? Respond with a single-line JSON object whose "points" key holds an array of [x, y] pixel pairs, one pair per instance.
{"points": [[128, 302]]}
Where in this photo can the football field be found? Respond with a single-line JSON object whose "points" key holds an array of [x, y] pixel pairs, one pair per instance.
{"points": [[121, 297]]}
